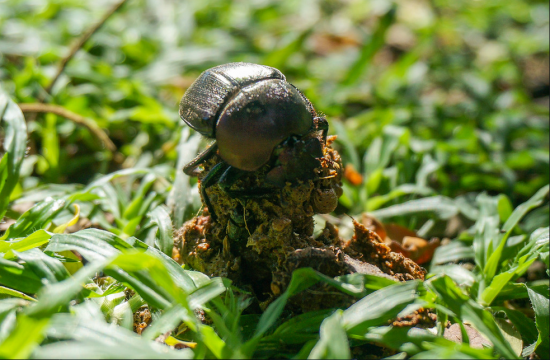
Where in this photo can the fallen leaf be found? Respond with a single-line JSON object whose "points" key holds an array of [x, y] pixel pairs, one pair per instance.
{"points": [[352, 175]]}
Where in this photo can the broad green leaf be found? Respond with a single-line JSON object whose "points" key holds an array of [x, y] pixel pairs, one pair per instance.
{"points": [[50, 146], [185, 279], [428, 167], [205, 293], [302, 279], [504, 207], [122, 314], [486, 231]]}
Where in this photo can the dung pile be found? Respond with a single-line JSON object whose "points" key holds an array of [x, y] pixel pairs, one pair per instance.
{"points": [[264, 232]]}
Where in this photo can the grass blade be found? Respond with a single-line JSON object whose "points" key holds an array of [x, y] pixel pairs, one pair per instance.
{"points": [[333, 342], [26, 336], [165, 239], [539, 300], [37, 217]]}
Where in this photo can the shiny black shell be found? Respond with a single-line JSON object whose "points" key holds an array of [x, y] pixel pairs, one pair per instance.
{"points": [[248, 108]]}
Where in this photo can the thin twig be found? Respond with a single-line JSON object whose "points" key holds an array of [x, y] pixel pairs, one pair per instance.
{"points": [[80, 43], [78, 119]]}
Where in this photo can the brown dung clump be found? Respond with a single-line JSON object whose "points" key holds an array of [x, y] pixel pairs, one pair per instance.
{"points": [[260, 237]]}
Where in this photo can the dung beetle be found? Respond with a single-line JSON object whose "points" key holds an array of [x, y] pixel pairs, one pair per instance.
{"points": [[249, 110]]}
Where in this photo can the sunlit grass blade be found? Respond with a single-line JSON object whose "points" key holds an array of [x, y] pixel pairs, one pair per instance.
{"points": [[161, 218], [38, 217], [7, 292], [38, 238], [57, 295], [178, 197], [93, 338], [15, 145]]}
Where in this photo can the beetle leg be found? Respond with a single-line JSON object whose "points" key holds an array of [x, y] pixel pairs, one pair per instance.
{"points": [[211, 179], [229, 177], [189, 169]]}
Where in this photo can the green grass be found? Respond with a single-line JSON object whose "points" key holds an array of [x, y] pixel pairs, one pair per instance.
{"points": [[442, 106]]}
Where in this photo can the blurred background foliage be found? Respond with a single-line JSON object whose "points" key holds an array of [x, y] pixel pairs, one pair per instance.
{"points": [[442, 114], [430, 99]]}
